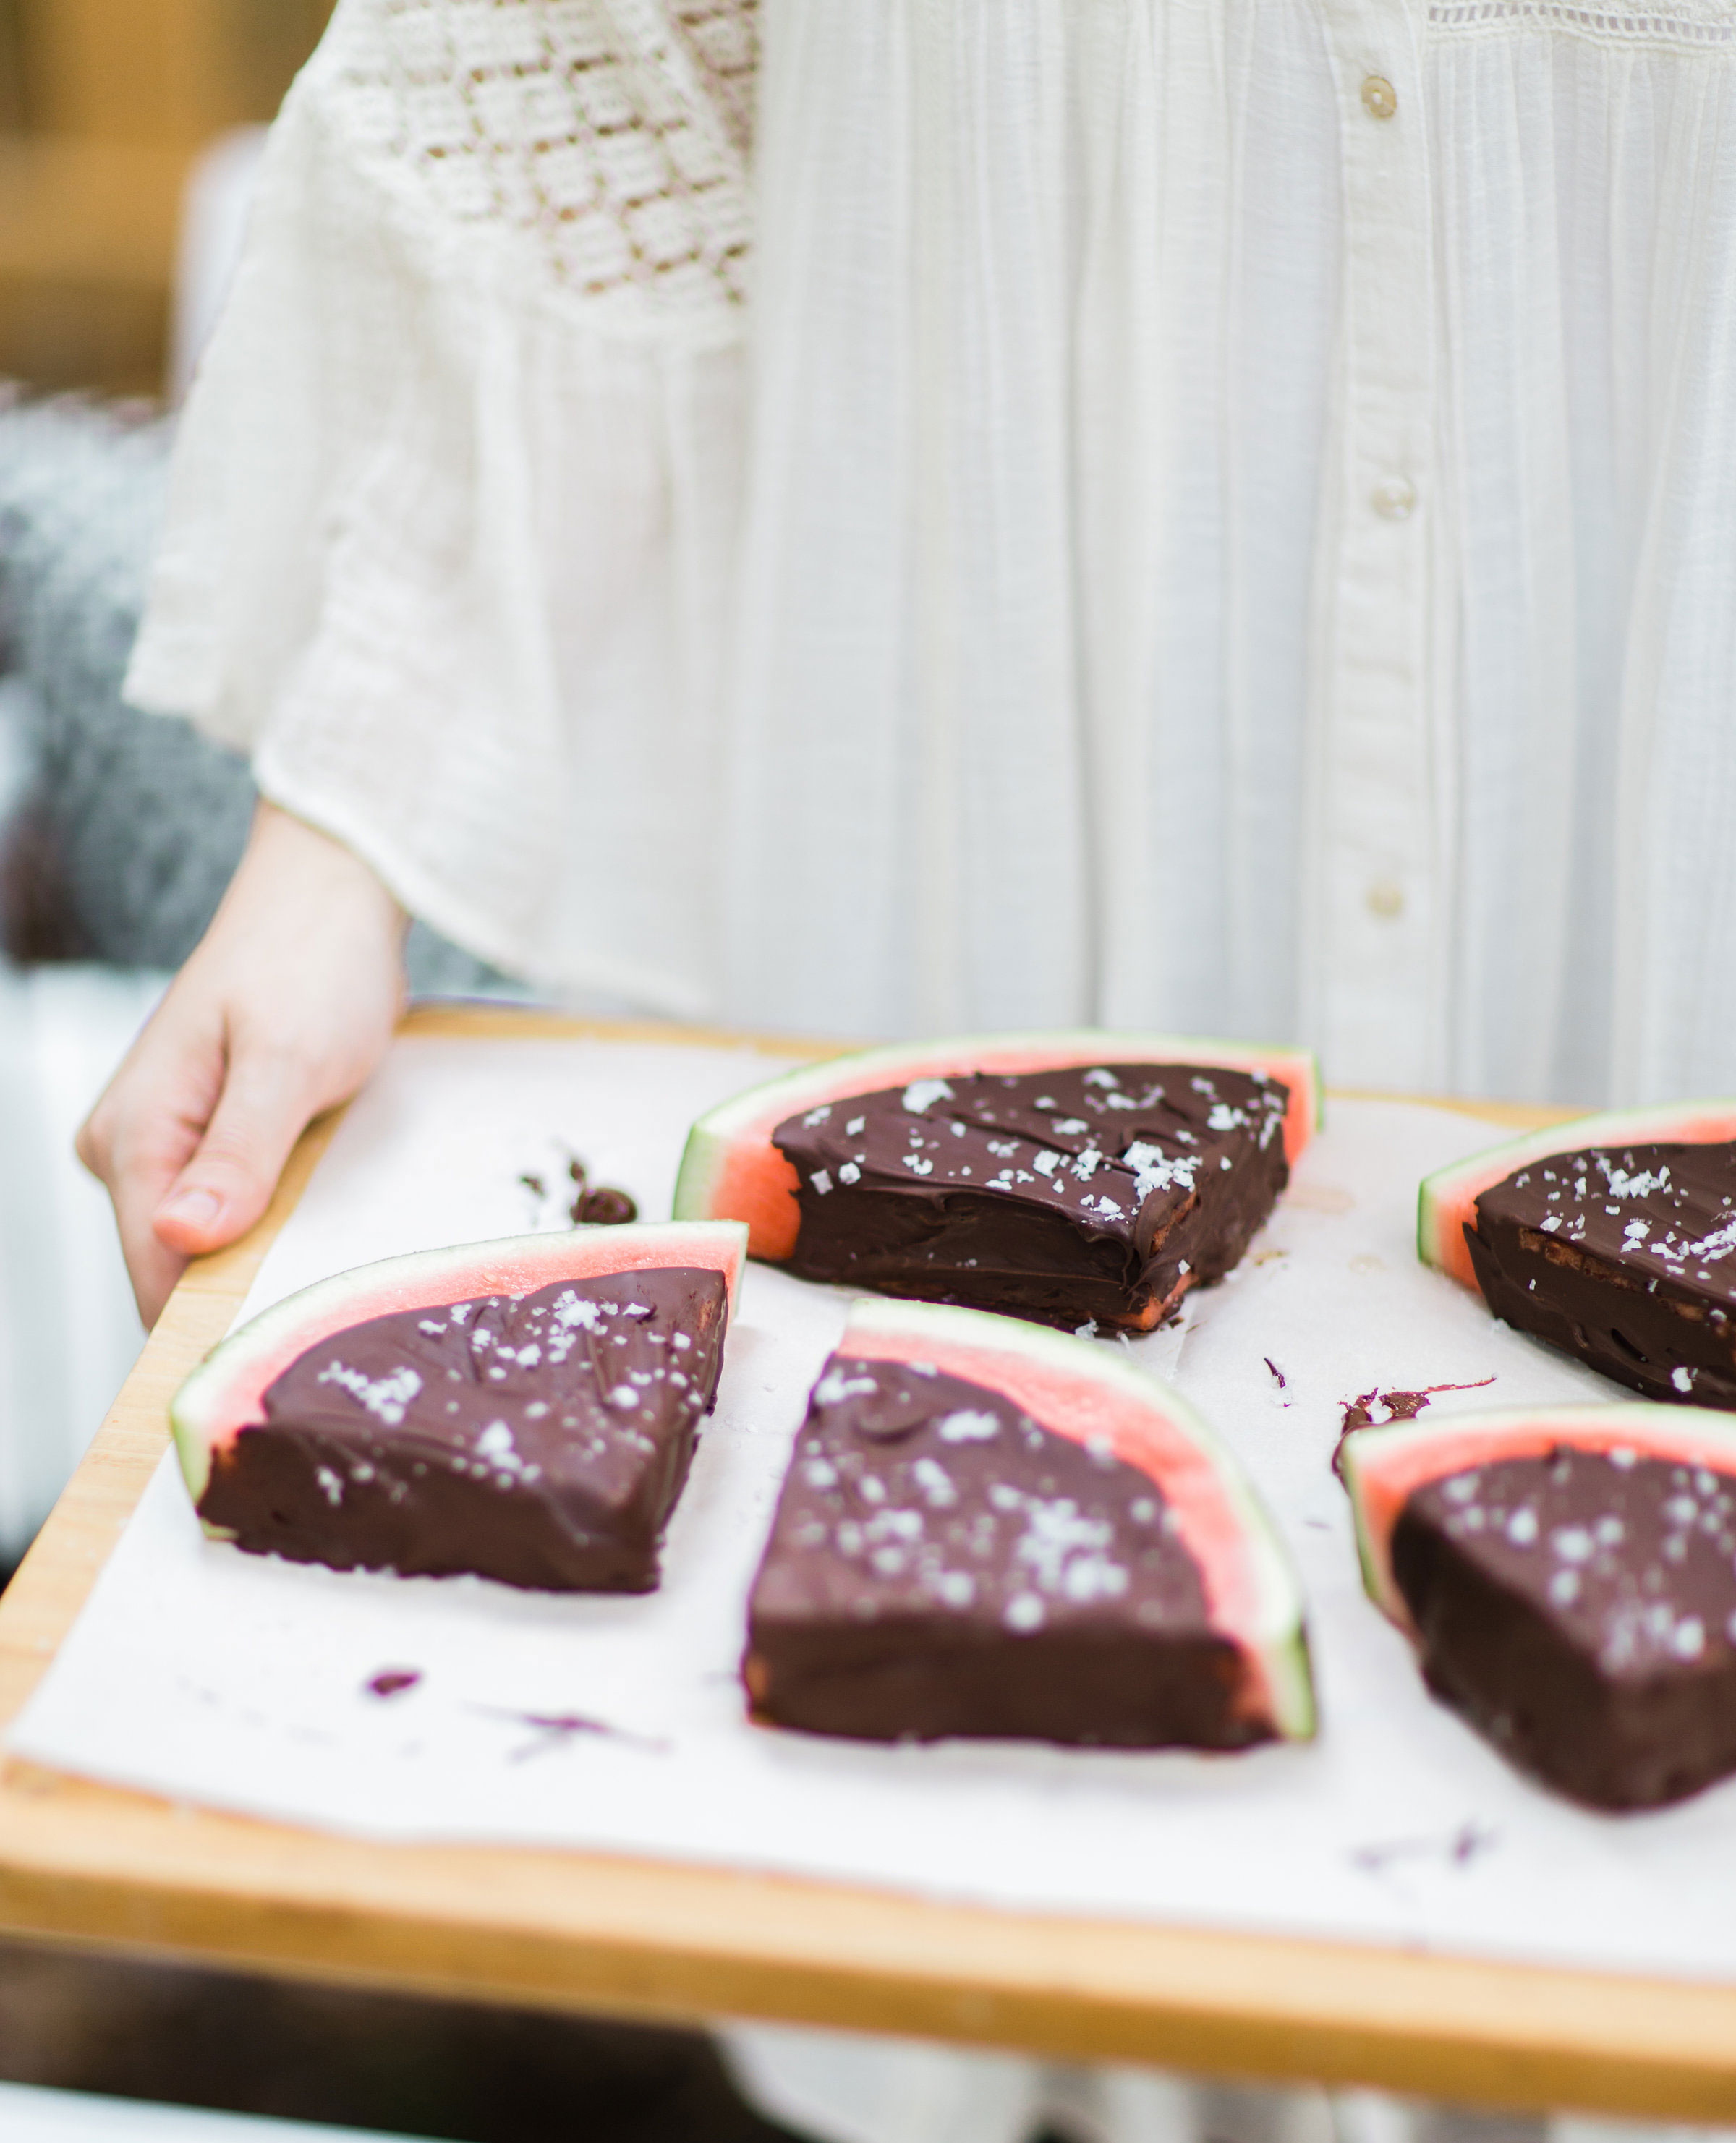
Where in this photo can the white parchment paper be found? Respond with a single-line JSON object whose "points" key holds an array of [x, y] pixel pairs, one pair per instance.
{"points": [[209, 1676]]}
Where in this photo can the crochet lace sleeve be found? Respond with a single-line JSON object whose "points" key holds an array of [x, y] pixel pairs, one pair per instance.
{"points": [[465, 392]]}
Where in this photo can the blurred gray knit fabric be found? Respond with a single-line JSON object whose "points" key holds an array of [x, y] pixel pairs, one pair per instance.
{"points": [[140, 819]]}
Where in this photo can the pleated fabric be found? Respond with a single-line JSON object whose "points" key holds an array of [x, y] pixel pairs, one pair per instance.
{"points": [[1091, 513]]}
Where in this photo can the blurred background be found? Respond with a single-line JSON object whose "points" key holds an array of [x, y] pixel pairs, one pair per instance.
{"points": [[130, 130], [105, 105], [129, 133]]}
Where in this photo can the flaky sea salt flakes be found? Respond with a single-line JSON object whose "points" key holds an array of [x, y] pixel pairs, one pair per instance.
{"points": [[921, 1094], [385, 1397], [967, 1426]]}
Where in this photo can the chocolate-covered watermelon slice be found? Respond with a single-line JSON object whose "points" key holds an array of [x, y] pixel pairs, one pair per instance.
{"points": [[990, 1530], [525, 1410], [1568, 1576], [1612, 1238], [1067, 1178]]}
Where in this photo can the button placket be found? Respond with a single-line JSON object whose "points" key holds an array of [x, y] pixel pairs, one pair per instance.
{"points": [[1374, 908]]}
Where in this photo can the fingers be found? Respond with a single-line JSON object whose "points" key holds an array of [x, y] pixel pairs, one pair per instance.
{"points": [[142, 1132], [153, 1268], [284, 1009], [268, 1097]]}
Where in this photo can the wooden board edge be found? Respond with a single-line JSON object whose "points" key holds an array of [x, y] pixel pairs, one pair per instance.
{"points": [[693, 1944], [1511, 1116], [475, 1020]]}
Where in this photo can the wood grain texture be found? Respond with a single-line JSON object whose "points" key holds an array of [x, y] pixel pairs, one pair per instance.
{"points": [[85, 1863]]}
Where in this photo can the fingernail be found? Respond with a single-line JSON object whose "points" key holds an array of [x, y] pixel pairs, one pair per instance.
{"points": [[197, 1208]]}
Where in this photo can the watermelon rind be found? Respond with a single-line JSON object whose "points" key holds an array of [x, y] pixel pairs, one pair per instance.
{"points": [[221, 1395], [740, 1129], [1268, 1623], [1383, 1464], [1447, 1200]]}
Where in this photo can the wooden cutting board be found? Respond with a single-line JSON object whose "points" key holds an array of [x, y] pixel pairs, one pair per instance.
{"points": [[90, 1864]]}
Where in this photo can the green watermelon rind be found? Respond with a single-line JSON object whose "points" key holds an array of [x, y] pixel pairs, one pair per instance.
{"points": [[219, 1397], [746, 1120], [1276, 1636], [1446, 1199], [1423, 1451]]}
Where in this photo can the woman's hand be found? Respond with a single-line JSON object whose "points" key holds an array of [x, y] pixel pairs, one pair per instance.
{"points": [[285, 1008]]}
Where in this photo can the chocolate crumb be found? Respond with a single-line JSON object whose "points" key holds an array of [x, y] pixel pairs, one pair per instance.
{"points": [[1458, 1849], [1358, 1414], [601, 1206], [394, 1681], [604, 1208], [555, 1729]]}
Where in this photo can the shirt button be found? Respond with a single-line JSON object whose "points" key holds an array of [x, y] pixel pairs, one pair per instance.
{"points": [[1386, 899], [1394, 498], [1380, 100]]}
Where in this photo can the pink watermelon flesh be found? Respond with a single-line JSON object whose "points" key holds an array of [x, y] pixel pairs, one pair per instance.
{"points": [[1147, 1599], [732, 1170], [525, 1410], [1567, 1578]]}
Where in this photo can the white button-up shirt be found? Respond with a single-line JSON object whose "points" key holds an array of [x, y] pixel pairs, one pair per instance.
{"points": [[1214, 514]]}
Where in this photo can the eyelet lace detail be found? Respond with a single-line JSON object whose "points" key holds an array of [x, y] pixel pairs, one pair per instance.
{"points": [[613, 134], [1693, 24]]}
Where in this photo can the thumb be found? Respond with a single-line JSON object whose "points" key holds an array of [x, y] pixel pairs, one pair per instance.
{"points": [[264, 1106]]}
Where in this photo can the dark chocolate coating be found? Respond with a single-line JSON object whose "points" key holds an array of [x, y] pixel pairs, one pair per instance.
{"points": [[539, 1439], [940, 1564], [1094, 1193], [1624, 1258], [1577, 1609]]}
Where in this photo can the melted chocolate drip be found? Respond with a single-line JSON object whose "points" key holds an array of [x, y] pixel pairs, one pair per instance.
{"points": [[1580, 1610], [539, 1439], [1625, 1258], [941, 1564], [1396, 1406], [1090, 1194]]}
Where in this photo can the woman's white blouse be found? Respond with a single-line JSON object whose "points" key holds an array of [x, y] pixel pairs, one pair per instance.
{"points": [[1211, 514]]}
